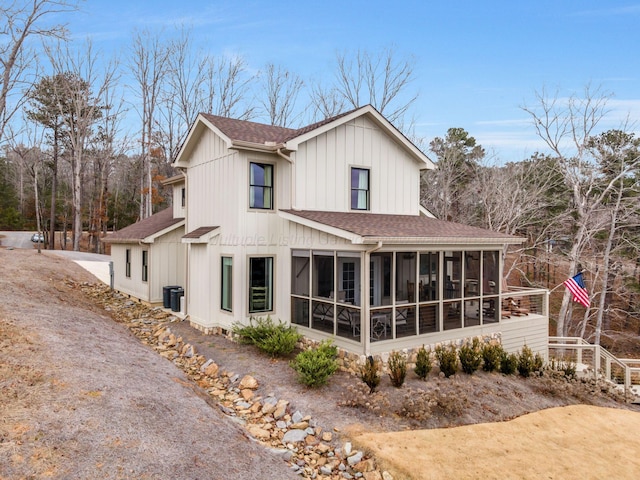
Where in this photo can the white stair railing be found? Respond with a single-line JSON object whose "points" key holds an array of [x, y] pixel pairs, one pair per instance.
{"points": [[604, 364]]}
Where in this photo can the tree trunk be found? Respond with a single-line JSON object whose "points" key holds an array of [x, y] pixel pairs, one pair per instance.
{"points": [[77, 199], [54, 185], [606, 261]]}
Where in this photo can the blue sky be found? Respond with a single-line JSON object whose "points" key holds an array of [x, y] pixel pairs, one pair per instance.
{"points": [[476, 62]]}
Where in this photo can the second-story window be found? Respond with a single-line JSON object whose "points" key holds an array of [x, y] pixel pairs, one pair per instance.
{"points": [[261, 186], [184, 196], [359, 189]]}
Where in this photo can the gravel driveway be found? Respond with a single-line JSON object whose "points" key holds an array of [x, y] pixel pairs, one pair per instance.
{"points": [[83, 398]]}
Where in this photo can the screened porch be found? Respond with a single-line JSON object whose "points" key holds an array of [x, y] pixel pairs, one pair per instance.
{"points": [[402, 294]]}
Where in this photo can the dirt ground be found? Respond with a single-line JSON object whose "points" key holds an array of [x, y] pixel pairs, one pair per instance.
{"points": [[87, 400], [82, 398]]}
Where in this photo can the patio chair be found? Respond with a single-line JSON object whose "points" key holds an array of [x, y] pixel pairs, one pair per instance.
{"points": [[401, 314], [323, 312], [350, 318]]}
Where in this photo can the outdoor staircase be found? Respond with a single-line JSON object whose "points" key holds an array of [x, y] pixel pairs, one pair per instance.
{"points": [[597, 361]]}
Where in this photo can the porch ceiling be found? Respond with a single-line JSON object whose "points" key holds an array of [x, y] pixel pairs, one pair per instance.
{"points": [[368, 228]]}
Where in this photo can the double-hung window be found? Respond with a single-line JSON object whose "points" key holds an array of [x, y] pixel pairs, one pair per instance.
{"points": [[226, 283], [261, 186], [145, 265], [359, 189]]}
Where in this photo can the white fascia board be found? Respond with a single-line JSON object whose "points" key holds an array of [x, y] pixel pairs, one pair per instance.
{"points": [[425, 212], [196, 129], [321, 227], [152, 238]]}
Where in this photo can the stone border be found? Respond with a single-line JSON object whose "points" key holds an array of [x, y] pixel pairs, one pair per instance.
{"points": [[311, 450]]}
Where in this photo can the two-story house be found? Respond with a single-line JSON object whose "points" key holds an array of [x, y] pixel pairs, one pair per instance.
{"points": [[322, 227]]}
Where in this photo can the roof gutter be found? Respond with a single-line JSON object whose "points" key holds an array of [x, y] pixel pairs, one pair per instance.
{"points": [[256, 147]]}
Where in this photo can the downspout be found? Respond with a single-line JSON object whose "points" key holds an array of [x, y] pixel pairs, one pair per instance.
{"points": [[292, 194], [187, 290], [366, 328]]}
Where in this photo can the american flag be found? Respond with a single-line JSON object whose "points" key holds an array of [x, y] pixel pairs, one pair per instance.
{"points": [[576, 286]]}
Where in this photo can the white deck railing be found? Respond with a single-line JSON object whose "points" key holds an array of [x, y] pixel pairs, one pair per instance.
{"points": [[603, 363]]}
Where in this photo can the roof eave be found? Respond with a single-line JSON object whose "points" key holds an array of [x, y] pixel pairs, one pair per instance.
{"points": [[185, 150], [443, 240], [204, 238], [255, 147]]}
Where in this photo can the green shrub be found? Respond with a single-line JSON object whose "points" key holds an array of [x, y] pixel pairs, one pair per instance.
{"points": [[397, 365], [491, 357], [423, 363], [526, 362], [508, 363], [470, 355], [447, 359], [370, 373], [275, 339], [257, 330], [316, 365], [538, 363]]}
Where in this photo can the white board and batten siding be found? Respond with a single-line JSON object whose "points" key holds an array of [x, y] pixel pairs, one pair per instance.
{"points": [[214, 183], [323, 170], [132, 285], [167, 263], [199, 295]]}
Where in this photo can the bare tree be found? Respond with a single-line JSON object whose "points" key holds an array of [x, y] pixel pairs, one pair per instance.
{"points": [[148, 64], [20, 20], [379, 79], [186, 76], [326, 102], [281, 88], [228, 84], [566, 125], [618, 155], [107, 146], [86, 102]]}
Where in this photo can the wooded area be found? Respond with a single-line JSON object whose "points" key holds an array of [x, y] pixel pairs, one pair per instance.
{"points": [[86, 142]]}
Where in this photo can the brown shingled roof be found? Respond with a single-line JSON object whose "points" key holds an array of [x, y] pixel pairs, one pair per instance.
{"points": [[144, 228], [198, 232], [382, 226], [249, 131], [262, 133]]}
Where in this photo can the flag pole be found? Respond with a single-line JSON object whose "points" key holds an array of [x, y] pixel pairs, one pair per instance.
{"points": [[562, 284]]}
